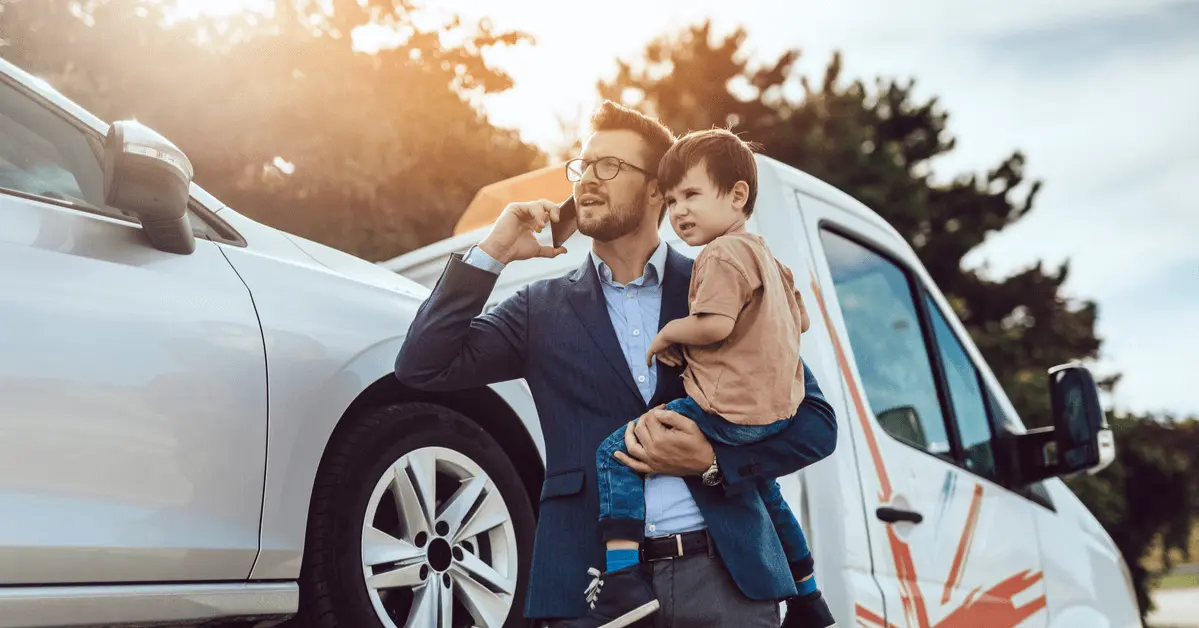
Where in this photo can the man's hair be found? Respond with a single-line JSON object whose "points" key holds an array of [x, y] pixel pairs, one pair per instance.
{"points": [[727, 158], [658, 139]]}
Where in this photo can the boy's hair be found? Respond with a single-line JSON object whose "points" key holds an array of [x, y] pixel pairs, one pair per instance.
{"points": [[613, 117], [727, 158]]}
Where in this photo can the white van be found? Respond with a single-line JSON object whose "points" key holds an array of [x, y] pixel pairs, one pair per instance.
{"points": [[938, 507]]}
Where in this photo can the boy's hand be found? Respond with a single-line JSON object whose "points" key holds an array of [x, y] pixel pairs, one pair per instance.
{"points": [[668, 353]]}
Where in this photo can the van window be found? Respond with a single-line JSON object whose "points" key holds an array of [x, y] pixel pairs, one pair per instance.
{"points": [[965, 393], [888, 344]]}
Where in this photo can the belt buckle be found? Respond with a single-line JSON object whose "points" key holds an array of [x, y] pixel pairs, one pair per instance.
{"points": [[678, 540]]}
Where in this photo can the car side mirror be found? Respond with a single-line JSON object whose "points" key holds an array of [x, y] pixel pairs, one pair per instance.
{"points": [[1080, 439], [148, 177]]}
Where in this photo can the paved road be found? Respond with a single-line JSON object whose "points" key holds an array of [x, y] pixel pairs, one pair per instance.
{"points": [[1177, 608]]}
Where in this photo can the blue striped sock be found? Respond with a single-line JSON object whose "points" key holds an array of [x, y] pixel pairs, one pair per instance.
{"points": [[807, 587], [621, 558]]}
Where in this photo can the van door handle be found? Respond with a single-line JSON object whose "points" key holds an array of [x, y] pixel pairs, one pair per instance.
{"points": [[895, 515]]}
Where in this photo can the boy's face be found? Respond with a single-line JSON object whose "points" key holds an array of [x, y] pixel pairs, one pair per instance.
{"points": [[699, 213]]}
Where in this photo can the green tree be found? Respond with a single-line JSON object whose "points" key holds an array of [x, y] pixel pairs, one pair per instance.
{"points": [[377, 153]]}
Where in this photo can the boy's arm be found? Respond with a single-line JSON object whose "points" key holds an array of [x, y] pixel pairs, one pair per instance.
{"points": [[698, 329], [720, 289], [811, 437]]}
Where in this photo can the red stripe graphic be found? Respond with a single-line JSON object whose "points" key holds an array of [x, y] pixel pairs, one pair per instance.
{"points": [[959, 558]]}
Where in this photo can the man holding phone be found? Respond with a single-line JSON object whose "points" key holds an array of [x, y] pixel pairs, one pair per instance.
{"points": [[580, 342]]}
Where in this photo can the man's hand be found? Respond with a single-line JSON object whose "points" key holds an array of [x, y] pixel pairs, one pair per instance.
{"points": [[666, 442], [512, 238], [668, 353]]}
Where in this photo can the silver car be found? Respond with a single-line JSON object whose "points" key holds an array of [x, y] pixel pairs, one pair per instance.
{"points": [[199, 417]]}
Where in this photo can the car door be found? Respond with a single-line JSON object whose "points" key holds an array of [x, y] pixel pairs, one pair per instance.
{"points": [[951, 547], [132, 381]]}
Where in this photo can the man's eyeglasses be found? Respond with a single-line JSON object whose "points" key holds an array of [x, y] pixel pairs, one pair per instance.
{"points": [[606, 168]]}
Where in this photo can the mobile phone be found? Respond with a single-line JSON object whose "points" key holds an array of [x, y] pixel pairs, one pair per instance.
{"points": [[568, 222]]}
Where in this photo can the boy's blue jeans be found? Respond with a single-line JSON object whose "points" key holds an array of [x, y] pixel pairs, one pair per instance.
{"points": [[622, 490]]}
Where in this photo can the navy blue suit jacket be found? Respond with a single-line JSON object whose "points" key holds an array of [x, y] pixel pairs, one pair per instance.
{"points": [[556, 334]]}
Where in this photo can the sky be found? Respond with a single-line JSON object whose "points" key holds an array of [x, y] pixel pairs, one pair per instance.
{"points": [[1101, 95]]}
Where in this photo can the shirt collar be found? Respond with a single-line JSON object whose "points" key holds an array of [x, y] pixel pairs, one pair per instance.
{"points": [[650, 276]]}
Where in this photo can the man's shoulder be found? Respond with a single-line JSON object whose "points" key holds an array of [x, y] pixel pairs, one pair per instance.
{"points": [[553, 285]]}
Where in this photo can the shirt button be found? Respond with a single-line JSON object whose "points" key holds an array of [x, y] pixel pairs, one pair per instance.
{"points": [[641, 378], [629, 295], [636, 332], [652, 527]]}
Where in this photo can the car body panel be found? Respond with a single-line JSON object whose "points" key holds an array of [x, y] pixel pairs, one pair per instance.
{"points": [[133, 405]]}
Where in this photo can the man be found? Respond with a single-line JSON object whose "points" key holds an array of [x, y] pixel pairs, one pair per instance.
{"points": [[580, 343]]}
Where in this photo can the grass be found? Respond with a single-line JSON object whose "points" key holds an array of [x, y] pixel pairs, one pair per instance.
{"points": [[1178, 581]]}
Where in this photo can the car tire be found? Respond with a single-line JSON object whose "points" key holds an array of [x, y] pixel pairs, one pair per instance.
{"points": [[410, 458]]}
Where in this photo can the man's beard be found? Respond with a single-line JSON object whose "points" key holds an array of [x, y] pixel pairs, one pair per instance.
{"points": [[620, 221]]}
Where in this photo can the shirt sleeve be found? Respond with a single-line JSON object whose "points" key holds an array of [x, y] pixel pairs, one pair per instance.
{"points": [[721, 287], [479, 259]]}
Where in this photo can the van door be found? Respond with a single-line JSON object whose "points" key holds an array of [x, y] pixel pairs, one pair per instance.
{"points": [[951, 547]]}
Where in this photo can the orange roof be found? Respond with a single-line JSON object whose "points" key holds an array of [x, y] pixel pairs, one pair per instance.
{"points": [[549, 183]]}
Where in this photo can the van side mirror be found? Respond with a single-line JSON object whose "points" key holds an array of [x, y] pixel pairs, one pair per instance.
{"points": [[1080, 439], [148, 177]]}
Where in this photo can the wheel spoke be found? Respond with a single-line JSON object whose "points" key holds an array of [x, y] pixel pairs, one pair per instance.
{"points": [[482, 573], [458, 506], [447, 606], [426, 604], [411, 513], [488, 609], [423, 466], [490, 514], [407, 576], [379, 547]]}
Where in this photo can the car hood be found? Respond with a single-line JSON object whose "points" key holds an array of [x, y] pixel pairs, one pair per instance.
{"points": [[358, 269]]}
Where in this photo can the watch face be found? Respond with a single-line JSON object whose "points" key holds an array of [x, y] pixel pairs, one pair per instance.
{"points": [[711, 477]]}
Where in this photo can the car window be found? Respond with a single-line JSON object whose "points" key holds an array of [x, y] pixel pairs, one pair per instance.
{"points": [[45, 156], [41, 154], [888, 344], [966, 396]]}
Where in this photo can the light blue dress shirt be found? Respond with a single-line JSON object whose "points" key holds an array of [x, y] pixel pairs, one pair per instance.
{"points": [[634, 309]]}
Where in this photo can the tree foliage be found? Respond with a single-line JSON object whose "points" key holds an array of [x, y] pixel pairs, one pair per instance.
{"points": [[374, 154]]}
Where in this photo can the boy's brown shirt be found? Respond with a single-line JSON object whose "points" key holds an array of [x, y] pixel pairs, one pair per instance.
{"points": [[753, 377]]}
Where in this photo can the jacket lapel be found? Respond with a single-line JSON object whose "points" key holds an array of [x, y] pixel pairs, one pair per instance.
{"points": [[586, 296], [676, 284]]}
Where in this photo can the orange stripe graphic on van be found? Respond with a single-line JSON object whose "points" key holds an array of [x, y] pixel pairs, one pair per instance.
{"points": [[994, 608], [959, 558], [859, 405]]}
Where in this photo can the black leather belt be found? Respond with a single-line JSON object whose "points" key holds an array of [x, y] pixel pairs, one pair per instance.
{"points": [[677, 545]]}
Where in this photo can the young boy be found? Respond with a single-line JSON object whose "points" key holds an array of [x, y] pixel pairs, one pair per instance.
{"points": [[743, 375]]}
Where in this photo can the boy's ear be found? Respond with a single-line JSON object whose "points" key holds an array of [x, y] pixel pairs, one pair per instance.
{"points": [[740, 194]]}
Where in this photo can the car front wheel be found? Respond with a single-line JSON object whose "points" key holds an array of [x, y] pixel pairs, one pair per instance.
{"points": [[418, 520]]}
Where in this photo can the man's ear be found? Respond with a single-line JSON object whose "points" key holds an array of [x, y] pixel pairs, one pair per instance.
{"points": [[740, 193], [653, 190]]}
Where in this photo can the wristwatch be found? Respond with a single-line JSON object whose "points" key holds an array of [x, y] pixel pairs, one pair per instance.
{"points": [[713, 477]]}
